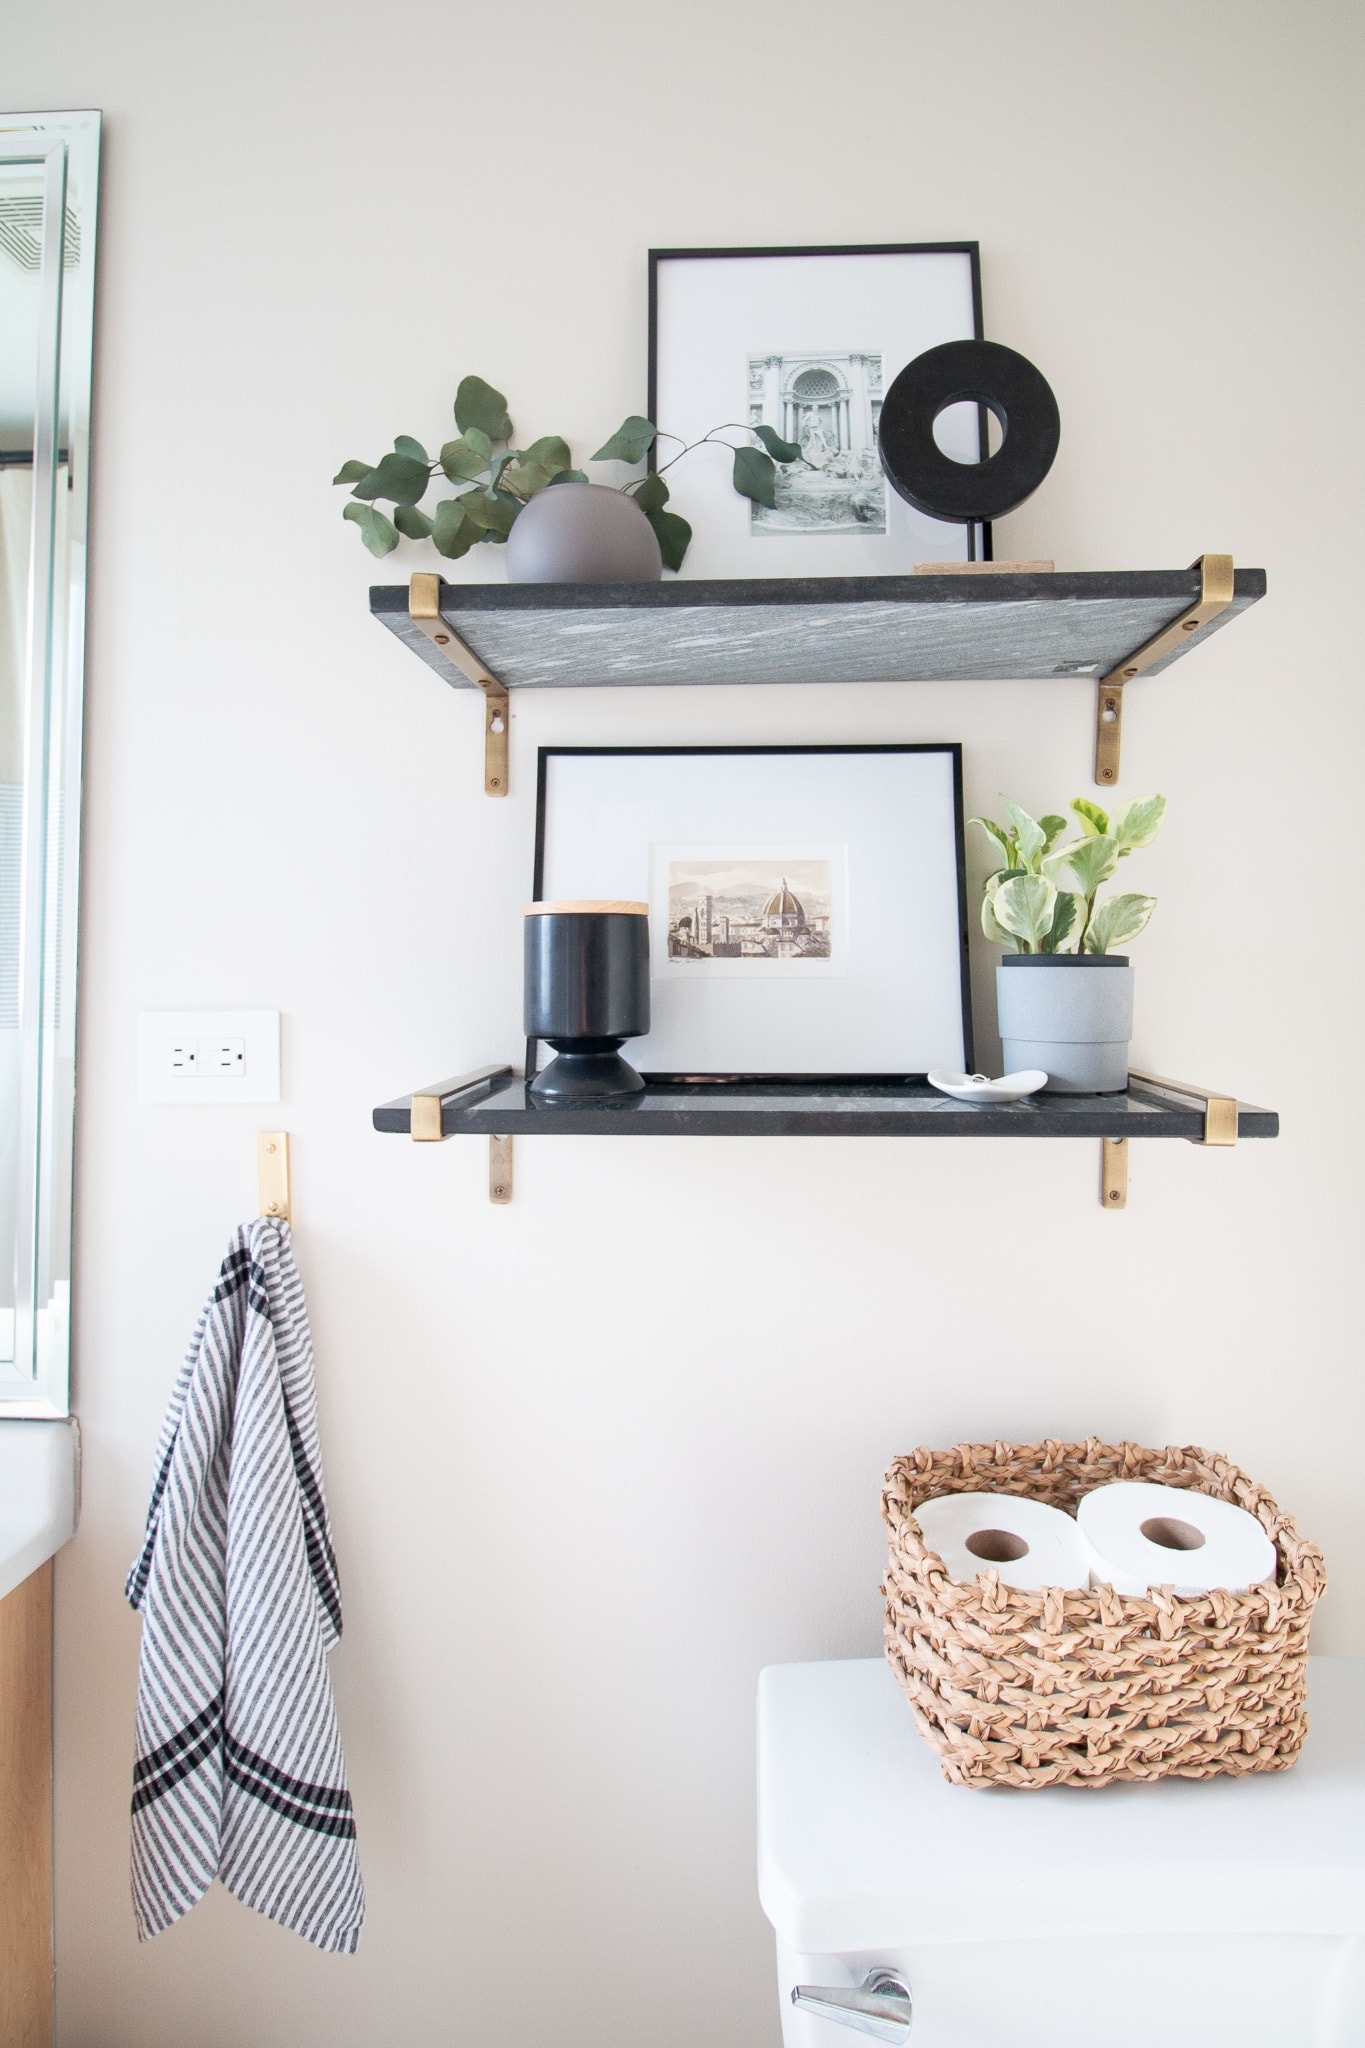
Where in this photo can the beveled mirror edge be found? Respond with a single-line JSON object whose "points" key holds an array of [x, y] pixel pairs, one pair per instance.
{"points": [[37, 1381]]}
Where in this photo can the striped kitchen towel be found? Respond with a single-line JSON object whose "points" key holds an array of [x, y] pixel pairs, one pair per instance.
{"points": [[239, 1771]]}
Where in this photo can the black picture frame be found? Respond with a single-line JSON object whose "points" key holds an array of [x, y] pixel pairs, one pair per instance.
{"points": [[949, 748], [980, 544]]}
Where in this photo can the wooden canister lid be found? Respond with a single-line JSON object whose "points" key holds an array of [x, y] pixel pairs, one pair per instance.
{"points": [[593, 909]]}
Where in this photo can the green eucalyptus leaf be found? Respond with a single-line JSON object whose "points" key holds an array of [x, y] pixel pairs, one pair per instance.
{"points": [[490, 512], [780, 450], [452, 534], [409, 521], [1094, 821], [1116, 922], [526, 478], [673, 534], [479, 407], [379, 534], [1030, 837], [400, 477], [462, 460], [755, 477], [570, 476], [550, 451], [351, 472], [631, 442], [1139, 823], [651, 494], [1024, 906], [496, 468], [1092, 861], [405, 445]]}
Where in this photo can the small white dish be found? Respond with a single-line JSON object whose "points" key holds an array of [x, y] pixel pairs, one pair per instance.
{"points": [[979, 1088]]}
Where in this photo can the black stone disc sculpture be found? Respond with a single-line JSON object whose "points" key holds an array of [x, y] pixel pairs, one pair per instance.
{"points": [[983, 373]]}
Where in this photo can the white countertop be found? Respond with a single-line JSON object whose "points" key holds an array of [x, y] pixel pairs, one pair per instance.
{"points": [[863, 1844], [39, 1493]]}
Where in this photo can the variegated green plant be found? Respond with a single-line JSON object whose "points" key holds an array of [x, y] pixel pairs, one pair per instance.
{"points": [[1028, 905]]}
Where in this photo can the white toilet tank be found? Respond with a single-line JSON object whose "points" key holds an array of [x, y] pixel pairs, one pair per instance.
{"points": [[1214, 1913]]}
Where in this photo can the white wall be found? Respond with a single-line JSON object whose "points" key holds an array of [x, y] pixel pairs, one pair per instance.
{"points": [[575, 1517]]}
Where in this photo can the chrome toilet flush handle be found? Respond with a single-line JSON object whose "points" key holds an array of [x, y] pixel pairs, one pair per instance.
{"points": [[880, 2006]]}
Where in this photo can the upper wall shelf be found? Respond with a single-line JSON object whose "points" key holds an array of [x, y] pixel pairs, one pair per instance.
{"points": [[992, 625]]}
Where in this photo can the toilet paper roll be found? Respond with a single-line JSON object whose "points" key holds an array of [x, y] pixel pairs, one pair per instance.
{"points": [[1142, 1535], [1030, 1544]]}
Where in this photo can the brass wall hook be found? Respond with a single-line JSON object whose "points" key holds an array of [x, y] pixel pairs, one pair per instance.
{"points": [[272, 1174]]}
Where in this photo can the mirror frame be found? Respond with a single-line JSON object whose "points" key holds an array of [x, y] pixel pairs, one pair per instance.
{"points": [[65, 147]]}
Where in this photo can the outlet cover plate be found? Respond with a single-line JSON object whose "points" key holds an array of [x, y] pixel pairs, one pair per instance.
{"points": [[176, 1049]]}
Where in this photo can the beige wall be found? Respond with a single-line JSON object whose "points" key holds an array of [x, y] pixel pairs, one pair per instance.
{"points": [[574, 1515]]}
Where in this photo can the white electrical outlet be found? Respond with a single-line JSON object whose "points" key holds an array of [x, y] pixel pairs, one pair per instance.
{"points": [[206, 1056]]}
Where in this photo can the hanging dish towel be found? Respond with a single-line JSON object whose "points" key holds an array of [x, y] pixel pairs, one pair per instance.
{"points": [[239, 1771]]}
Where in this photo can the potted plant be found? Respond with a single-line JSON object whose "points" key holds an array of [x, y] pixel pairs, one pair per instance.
{"points": [[581, 532], [1064, 997]]}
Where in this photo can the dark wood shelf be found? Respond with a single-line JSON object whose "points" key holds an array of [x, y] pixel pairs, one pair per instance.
{"points": [[852, 629], [497, 1105]]}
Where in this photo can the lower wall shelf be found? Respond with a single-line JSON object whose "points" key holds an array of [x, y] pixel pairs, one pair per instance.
{"points": [[494, 1103]]}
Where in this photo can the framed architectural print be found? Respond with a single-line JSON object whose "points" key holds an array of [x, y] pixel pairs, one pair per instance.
{"points": [[807, 905], [806, 341]]}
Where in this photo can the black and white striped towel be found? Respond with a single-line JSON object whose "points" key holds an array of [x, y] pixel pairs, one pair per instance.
{"points": [[239, 1771]]}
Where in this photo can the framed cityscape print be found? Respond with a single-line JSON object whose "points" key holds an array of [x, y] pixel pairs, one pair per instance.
{"points": [[806, 342], [807, 905]]}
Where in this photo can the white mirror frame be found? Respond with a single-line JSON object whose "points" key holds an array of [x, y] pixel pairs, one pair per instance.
{"points": [[64, 149]]}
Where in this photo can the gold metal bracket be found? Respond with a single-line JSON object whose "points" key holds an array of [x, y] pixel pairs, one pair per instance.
{"points": [[1114, 1173], [1215, 595], [426, 1115], [1220, 1111], [272, 1173], [424, 609], [500, 1170]]}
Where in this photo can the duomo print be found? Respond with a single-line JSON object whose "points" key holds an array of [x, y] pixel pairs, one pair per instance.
{"points": [[727, 923]]}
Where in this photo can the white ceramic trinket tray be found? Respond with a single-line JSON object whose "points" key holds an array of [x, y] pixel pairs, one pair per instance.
{"points": [[980, 1088]]}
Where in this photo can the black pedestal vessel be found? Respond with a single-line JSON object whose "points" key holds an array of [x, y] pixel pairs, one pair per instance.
{"points": [[587, 991]]}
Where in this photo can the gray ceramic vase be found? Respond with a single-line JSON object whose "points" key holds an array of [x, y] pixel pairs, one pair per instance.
{"points": [[582, 533], [1070, 1014]]}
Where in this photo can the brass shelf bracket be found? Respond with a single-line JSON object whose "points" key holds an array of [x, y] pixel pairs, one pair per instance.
{"points": [[424, 609], [1114, 1173], [1220, 1111], [500, 1171], [1220, 1128], [426, 1121], [1215, 595], [427, 1106]]}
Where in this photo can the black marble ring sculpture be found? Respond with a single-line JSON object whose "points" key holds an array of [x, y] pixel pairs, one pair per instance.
{"points": [[587, 990], [983, 373]]}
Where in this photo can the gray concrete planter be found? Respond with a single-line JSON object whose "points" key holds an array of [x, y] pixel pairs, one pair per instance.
{"points": [[1070, 1014], [582, 533]]}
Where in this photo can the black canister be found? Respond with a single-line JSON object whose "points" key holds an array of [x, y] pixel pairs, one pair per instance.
{"points": [[587, 990]]}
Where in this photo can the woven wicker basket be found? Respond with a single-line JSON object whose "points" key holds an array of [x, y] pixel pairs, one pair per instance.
{"points": [[1057, 1688]]}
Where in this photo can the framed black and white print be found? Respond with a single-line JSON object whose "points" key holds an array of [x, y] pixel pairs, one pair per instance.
{"points": [[807, 342], [807, 905]]}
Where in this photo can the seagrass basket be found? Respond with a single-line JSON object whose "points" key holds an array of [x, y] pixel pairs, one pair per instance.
{"points": [[1060, 1688]]}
